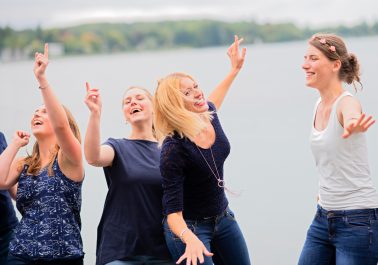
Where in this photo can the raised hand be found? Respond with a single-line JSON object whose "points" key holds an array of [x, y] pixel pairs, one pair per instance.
{"points": [[21, 138], [40, 64], [362, 124], [236, 58], [93, 99]]}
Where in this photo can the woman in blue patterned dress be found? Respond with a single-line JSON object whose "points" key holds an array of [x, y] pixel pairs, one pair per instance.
{"points": [[49, 183]]}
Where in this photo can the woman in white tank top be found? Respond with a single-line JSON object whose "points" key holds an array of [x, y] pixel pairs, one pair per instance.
{"points": [[345, 227]]}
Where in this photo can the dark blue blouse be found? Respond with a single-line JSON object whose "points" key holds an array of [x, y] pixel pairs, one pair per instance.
{"points": [[188, 183], [131, 223], [50, 225], [8, 219]]}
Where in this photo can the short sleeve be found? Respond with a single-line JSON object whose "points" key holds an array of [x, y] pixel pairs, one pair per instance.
{"points": [[212, 106], [3, 142], [172, 164]]}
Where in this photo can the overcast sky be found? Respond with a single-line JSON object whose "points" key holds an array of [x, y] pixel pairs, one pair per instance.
{"points": [[21, 14]]}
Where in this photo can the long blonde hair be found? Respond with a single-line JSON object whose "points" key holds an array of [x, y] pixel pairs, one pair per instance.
{"points": [[170, 113], [33, 160]]}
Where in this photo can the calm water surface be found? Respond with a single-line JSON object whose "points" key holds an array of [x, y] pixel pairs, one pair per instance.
{"points": [[266, 116]]}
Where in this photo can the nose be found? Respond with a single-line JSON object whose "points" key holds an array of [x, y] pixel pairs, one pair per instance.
{"points": [[197, 92], [305, 65]]}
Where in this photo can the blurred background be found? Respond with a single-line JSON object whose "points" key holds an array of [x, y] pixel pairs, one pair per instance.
{"points": [[267, 114]]}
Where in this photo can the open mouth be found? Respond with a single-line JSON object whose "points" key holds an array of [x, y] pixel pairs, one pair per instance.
{"points": [[133, 111], [37, 122]]}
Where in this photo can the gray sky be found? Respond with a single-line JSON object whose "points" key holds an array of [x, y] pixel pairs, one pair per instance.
{"points": [[21, 14]]}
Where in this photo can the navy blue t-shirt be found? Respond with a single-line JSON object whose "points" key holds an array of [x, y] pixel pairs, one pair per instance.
{"points": [[188, 183], [8, 219], [131, 223]]}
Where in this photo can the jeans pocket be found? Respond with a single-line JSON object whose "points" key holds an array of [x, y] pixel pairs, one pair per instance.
{"points": [[358, 221]]}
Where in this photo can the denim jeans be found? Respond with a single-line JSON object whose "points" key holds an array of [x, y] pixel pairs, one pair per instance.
{"points": [[141, 260], [342, 238], [220, 234]]}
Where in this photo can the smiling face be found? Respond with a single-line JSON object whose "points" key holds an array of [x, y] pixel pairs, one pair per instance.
{"points": [[319, 69], [193, 97], [137, 106], [40, 123]]}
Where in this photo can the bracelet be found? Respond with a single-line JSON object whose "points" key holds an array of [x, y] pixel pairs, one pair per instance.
{"points": [[182, 234]]}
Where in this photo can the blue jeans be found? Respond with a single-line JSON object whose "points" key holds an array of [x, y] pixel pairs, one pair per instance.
{"points": [[220, 234], [342, 237], [141, 260]]}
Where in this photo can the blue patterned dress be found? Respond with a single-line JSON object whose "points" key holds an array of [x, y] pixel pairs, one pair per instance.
{"points": [[50, 209]]}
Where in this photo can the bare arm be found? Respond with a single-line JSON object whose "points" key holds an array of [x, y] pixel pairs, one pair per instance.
{"points": [[70, 148], [96, 155], [352, 118], [237, 61], [13, 191], [195, 249], [9, 169]]}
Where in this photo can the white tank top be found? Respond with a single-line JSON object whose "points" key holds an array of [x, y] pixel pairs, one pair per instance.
{"points": [[344, 173]]}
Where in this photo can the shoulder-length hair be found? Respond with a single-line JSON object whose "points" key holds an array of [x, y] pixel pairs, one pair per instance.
{"points": [[33, 160]]}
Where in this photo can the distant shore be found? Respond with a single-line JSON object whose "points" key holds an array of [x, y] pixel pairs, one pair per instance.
{"points": [[112, 38]]}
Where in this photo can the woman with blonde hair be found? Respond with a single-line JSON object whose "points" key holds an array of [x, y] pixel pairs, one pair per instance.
{"points": [[49, 183], [130, 230], [199, 226], [345, 227]]}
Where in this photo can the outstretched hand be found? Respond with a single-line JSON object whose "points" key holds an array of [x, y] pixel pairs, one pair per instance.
{"points": [[237, 58], [41, 62], [93, 99], [362, 124]]}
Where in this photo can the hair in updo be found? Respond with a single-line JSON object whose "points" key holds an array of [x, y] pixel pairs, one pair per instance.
{"points": [[334, 48]]}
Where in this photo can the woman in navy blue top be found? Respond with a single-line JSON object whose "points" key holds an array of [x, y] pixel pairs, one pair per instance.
{"points": [[199, 225], [8, 220], [49, 183], [130, 230]]}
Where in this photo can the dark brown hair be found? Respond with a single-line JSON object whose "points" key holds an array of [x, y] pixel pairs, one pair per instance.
{"points": [[334, 48]]}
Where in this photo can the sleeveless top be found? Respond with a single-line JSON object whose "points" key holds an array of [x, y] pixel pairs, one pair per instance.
{"points": [[50, 225], [344, 173]]}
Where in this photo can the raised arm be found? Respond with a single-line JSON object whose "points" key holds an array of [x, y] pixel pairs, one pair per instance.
{"points": [[70, 148], [96, 154], [9, 165], [354, 121], [237, 60]]}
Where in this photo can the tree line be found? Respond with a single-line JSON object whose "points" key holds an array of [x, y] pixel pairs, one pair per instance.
{"points": [[108, 38]]}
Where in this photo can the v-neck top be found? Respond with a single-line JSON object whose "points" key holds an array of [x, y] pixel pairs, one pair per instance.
{"points": [[190, 180]]}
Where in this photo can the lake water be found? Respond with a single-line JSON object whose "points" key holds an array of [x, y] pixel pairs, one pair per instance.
{"points": [[266, 116]]}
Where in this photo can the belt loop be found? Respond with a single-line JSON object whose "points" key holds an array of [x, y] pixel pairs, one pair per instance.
{"points": [[376, 213]]}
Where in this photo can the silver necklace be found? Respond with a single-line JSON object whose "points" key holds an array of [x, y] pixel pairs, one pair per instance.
{"points": [[217, 176]]}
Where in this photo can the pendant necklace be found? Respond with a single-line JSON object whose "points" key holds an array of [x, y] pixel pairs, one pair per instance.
{"points": [[217, 176]]}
